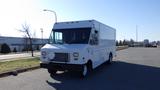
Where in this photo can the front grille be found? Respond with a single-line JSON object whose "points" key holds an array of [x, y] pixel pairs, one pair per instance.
{"points": [[61, 57]]}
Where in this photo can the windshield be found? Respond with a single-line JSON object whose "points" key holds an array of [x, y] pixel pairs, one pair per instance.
{"points": [[70, 36]]}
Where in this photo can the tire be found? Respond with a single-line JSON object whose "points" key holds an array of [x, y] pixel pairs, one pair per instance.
{"points": [[84, 72], [52, 72], [110, 58], [87, 68]]}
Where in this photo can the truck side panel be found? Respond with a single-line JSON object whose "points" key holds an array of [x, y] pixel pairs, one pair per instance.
{"points": [[107, 42]]}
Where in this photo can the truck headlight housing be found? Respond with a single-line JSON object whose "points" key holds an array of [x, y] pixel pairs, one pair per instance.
{"points": [[75, 54], [43, 53]]}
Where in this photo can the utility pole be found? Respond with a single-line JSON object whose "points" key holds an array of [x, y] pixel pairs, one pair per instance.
{"points": [[136, 33]]}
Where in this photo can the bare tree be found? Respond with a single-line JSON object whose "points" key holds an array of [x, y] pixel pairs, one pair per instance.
{"points": [[26, 30], [26, 43]]}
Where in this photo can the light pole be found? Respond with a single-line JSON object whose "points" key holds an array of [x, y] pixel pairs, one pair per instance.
{"points": [[42, 34], [52, 12]]}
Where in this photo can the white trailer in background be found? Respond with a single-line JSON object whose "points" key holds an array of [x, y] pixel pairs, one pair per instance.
{"points": [[78, 46]]}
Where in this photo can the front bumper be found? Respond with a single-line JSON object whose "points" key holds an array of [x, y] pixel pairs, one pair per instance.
{"points": [[62, 66]]}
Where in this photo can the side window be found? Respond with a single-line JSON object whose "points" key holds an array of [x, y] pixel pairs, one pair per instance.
{"points": [[58, 37], [94, 38]]}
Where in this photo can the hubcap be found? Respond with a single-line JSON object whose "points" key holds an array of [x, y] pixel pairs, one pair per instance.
{"points": [[84, 70]]}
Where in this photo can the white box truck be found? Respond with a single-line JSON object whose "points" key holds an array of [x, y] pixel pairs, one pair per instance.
{"points": [[78, 46]]}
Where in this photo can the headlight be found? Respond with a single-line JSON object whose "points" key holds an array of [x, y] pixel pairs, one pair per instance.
{"points": [[43, 53], [75, 54]]}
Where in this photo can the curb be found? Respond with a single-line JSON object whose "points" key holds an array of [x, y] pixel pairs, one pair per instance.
{"points": [[15, 72], [118, 49]]}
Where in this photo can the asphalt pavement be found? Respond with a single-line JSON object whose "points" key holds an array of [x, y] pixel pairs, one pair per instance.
{"points": [[141, 56], [132, 69]]}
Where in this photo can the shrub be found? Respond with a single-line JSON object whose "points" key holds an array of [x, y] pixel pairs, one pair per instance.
{"points": [[5, 48]]}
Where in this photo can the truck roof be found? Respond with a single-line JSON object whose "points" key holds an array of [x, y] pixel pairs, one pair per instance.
{"points": [[73, 24], [77, 24]]}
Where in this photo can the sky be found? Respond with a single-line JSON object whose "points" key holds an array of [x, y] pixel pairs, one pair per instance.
{"points": [[123, 15]]}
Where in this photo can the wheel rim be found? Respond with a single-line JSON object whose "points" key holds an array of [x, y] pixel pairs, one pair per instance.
{"points": [[84, 70]]}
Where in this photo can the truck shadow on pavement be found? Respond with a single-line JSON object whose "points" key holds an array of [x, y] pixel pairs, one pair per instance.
{"points": [[118, 76]]}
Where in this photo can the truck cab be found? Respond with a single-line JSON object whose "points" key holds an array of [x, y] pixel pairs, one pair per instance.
{"points": [[78, 46]]}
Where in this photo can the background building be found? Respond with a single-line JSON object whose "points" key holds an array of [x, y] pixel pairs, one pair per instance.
{"points": [[22, 44]]}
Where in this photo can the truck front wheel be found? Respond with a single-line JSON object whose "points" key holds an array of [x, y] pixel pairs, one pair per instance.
{"points": [[87, 68], [84, 71]]}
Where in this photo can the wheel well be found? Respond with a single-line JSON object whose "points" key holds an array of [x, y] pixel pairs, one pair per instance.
{"points": [[89, 64]]}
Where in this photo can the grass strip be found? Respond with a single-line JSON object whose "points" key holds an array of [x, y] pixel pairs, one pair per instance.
{"points": [[18, 64]]}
